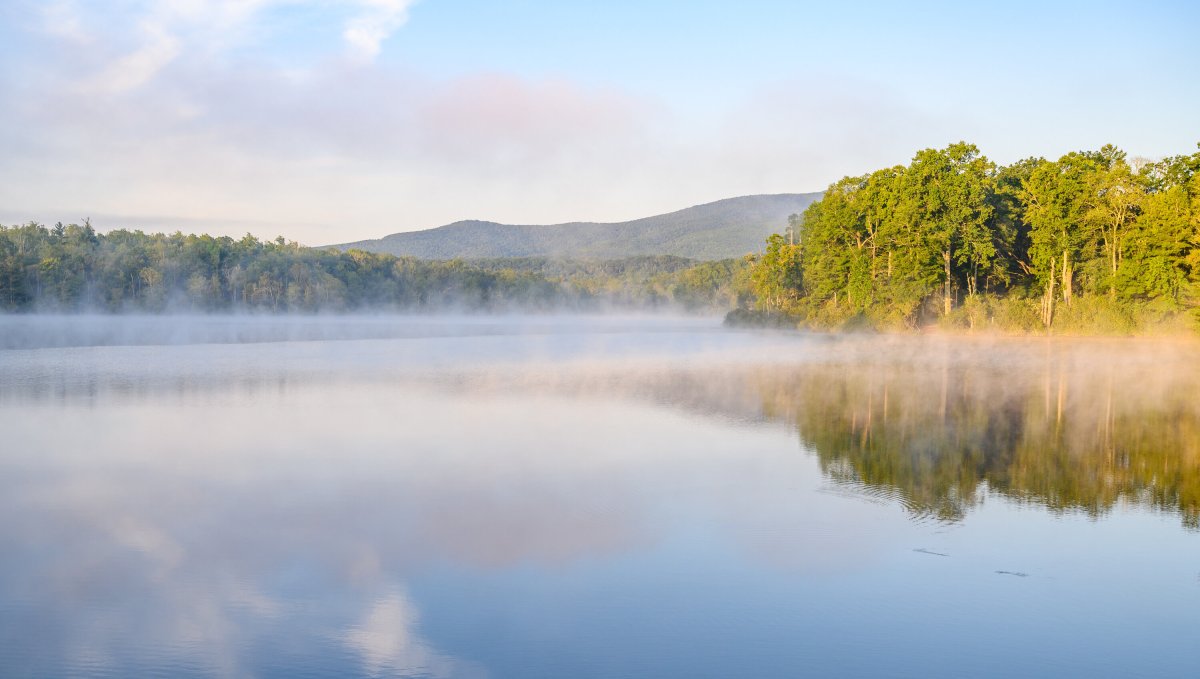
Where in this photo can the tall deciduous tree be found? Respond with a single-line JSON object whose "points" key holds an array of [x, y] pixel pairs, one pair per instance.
{"points": [[946, 203], [1058, 198], [778, 276], [1118, 201]]}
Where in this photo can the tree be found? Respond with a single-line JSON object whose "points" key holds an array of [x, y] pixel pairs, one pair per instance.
{"points": [[945, 202], [1058, 198], [1118, 200], [778, 276]]}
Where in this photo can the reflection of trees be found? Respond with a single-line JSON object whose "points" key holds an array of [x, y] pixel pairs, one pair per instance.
{"points": [[1079, 426], [1064, 435]]}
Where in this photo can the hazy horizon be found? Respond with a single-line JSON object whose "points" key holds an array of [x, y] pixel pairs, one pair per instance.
{"points": [[329, 122], [107, 223]]}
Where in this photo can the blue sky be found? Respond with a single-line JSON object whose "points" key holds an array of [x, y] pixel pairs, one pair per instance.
{"points": [[327, 121]]}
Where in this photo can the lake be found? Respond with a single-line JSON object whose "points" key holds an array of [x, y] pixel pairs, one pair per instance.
{"points": [[591, 497]]}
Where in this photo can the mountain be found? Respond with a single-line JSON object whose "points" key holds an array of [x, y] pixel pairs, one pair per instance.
{"points": [[726, 228]]}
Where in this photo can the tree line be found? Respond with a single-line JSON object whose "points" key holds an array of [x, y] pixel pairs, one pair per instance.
{"points": [[1092, 241], [67, 268]]}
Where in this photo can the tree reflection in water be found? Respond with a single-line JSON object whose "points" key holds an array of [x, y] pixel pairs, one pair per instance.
{"points": [[1060, 431]]}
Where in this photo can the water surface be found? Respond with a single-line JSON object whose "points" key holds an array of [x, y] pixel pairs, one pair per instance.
{"points": [[591, 497]]}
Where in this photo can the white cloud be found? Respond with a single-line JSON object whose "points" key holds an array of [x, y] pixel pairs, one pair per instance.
{"points": [[377, 21], [155, 34], [159, 47]]}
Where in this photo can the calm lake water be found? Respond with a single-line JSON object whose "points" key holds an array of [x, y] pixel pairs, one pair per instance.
{"points": [[591, 497]]}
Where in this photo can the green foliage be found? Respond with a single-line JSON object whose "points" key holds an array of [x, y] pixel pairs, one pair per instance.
{"points": [[1015, 313], [69, 268], [778, 276], [946, 209], [1154, 257], [1084, 244], [1096, 314]]}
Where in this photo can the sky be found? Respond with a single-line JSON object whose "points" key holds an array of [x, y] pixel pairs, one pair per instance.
{"points": [[329, 121]]}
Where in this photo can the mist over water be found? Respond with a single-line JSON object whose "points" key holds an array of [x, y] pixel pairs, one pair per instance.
{"points": [[590, 496], [39, 331]]}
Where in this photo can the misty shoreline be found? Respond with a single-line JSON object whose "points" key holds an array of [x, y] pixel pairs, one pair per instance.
{"points": [[749, 320], [26, 331]]}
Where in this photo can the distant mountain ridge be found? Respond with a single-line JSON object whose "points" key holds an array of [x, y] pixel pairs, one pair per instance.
{"points": [[719, 230]]}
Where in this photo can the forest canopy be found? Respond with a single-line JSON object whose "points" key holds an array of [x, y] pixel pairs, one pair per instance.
{"points": [[1090, 242], [69, 268]]}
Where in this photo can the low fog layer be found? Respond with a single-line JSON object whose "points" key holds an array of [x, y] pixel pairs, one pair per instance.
{"points": [[548, 351], [36, 331], [933, 422]]}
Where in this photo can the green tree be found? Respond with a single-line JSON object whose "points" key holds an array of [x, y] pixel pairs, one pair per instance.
{"points": [[946, 203], [1118, 200], [778, 276], [1058, 198]]}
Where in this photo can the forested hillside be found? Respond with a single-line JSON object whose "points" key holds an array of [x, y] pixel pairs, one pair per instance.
{"points": [[726, 228], [72, 268], [1091, 242]]}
